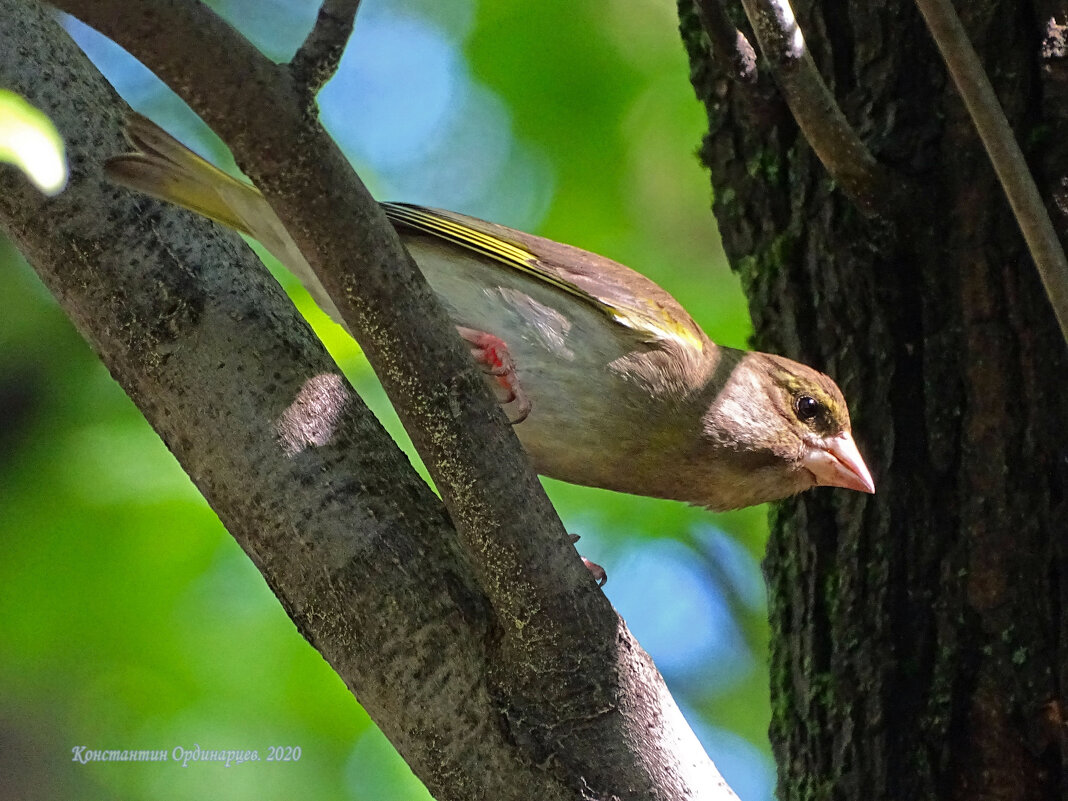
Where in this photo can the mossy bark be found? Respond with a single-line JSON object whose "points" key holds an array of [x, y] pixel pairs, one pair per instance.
{"points": [[919, 646]]}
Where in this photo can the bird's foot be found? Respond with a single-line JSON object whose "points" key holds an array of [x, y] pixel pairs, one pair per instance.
{"points": [[493, 357], [598, 572]]}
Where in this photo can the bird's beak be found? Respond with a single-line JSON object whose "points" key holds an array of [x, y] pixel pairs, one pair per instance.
{"points": [[836, 462]]}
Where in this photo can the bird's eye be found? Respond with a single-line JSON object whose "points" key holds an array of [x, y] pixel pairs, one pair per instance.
{"points": [[807, 407]]}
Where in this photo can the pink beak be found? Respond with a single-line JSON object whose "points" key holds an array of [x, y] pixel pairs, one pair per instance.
{"points": [[836, 462]]}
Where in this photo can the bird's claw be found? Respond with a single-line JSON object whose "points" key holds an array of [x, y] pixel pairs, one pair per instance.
{"points": [[598, 572], [493, 357]]}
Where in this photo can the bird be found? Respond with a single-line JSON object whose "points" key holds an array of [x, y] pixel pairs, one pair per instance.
{"points": [[607, 380]]}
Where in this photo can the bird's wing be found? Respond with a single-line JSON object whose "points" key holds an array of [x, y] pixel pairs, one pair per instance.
{"points": [[163, 167], [626, 297]]}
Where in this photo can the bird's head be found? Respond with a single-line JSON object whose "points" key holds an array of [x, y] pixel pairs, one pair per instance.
{"points": [[778, 428]]}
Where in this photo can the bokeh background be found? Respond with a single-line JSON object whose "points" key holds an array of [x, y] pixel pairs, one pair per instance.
{"points": [[129, 619]]}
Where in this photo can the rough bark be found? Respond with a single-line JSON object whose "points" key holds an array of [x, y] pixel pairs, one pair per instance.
{"points": [[919, 636], [359, 551]]}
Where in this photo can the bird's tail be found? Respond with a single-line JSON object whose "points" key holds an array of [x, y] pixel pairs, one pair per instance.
{"points": [[164, 168]]}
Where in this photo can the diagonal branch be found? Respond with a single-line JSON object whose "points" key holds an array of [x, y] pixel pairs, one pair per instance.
{"points": [[316, 61], [217, 359], [524, 557], [1003, 150], [818, 115]]}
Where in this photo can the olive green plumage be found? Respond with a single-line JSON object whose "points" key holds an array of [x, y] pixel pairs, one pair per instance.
{"points": [[625, 390]]}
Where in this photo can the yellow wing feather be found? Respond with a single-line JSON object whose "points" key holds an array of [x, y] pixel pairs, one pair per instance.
{"points": [[628, 298]]}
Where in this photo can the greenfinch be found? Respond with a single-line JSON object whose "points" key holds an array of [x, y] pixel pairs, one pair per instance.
{"points": [[608, 380]]}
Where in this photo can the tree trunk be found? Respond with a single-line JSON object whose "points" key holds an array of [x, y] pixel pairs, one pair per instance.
{"points": [[918, 636]]}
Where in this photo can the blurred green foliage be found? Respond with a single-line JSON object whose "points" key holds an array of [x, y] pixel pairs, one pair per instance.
{"points": [[29, 140], [128, 617]]}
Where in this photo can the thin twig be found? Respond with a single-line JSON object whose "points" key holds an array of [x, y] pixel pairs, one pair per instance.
{"points": [[822, 122], [1003, 150], [730, 48], [316, 61]]}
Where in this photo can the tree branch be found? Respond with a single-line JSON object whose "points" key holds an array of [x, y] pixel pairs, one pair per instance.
{"points": [[355, 547], [822, 122], [1003, 150], [524, 558], [354, 544], [316, 61]]}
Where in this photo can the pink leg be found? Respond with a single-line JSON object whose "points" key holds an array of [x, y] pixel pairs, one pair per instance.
{"points": [[492, 354]]}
